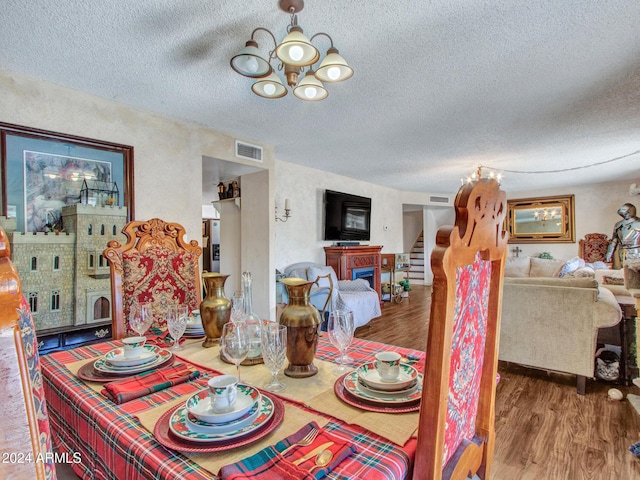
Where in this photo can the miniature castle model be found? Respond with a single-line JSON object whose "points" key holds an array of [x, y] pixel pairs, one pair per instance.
{"points": [[64, 276]]}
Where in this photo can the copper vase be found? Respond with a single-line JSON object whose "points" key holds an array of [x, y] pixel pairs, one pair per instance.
{"points": [[302, 321], [215, 309]]}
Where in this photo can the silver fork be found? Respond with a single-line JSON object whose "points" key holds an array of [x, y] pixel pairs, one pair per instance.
{"points": [[304, 441]]}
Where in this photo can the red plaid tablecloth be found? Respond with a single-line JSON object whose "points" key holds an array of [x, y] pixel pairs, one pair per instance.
{"points": [[113, 445]]}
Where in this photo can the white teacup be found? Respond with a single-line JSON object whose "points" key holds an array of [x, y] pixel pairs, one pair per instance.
{"points": [[388, 366], [223, 391], [134, 346]]}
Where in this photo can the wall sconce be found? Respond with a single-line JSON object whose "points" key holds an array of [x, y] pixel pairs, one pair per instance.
{"points": [[287, 211]]}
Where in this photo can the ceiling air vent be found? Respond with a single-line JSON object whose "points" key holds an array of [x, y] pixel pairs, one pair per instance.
{"points": [[436, 199], [248, 151]]}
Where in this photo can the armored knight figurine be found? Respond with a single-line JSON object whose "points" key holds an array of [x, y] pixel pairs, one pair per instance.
{"points": [[626, 235]]}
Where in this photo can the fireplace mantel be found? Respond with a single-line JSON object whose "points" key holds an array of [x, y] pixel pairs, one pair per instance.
{"points": [[345, 260]]}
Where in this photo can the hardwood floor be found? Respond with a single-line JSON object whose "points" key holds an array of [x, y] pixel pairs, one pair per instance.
{"points": [[544, 429]]}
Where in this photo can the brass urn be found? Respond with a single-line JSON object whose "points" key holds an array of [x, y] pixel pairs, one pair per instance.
{"points": [[302, 321], [215, 309]]}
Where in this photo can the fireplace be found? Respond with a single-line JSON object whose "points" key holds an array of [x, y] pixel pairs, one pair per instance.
{"points": [[351, 262], [366, 273]]}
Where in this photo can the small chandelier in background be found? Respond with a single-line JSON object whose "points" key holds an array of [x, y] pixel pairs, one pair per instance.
{"points": [[478, 175], [294, 52], [544, 214]]}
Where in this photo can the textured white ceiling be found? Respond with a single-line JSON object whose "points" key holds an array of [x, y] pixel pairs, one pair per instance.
{"points": [[439, 87]]}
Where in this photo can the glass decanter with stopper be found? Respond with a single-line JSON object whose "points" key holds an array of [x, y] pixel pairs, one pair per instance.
{"points": [[252, 320]]}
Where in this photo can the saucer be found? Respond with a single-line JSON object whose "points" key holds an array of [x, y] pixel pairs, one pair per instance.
{"points": [[117, 357], [368, 374], [215, 428], [180, 427], [199, 405]]}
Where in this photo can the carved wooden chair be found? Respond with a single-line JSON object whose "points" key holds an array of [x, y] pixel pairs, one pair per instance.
{"points": [[456, 431], [155, 265], [24, 425], [593, 247]]}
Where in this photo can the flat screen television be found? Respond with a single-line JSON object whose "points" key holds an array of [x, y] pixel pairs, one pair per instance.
{"points": [[346, 217]]}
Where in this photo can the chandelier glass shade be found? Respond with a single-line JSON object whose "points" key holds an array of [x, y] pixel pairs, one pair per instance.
{"points": [[269, 87], [310, 88], [294, 53], [249, 62], [296, 49]]}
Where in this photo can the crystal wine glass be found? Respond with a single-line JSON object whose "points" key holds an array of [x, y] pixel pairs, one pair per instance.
{"points": [[274, 351], [235, 343], [237, 307], [346, 358], [340, 329], [140, 317], [177, 317]]}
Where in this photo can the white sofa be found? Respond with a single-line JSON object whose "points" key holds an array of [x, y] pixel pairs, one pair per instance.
{"points": [[550, 322], [355, 295]]}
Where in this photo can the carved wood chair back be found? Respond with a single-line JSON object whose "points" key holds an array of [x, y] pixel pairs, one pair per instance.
{"points": [[456, 430], [154, 266], [593, 247], [24, 423]]}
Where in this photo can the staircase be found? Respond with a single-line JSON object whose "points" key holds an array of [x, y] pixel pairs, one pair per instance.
{"points": [[416, 272]]}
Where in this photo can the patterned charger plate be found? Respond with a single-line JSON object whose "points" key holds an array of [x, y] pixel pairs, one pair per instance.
{"points": [[167, 438], [370, 405], [102, 365]]}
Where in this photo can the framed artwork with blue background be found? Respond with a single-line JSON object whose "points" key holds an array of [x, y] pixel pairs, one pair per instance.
{"points": [[43, 171]]}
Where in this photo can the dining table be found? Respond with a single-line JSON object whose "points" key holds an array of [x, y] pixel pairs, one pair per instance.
{"points": [[107, 440]]}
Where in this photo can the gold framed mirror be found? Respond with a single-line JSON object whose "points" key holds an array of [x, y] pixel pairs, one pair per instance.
{"points": [[541, 220]]}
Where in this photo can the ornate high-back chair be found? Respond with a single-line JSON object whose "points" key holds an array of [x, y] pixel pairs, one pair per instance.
{"points": [[593, 247], [156, 265], [24, 425], [456, 430]]}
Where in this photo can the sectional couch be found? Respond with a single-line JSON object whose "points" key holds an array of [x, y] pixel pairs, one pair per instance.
{"points": [[551, 322]]}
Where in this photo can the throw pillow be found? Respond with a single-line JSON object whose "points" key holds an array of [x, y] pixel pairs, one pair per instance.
{"points": [[612, 280], [517, 267], [571, 265], [299, 273], [581, 272], [315, 272], [542, 267]]}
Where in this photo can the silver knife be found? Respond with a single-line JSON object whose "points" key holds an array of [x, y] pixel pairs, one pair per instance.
{"points": [[312, 453]]}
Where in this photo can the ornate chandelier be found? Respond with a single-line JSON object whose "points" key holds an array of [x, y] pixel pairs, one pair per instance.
{"points": [[294, 53]]}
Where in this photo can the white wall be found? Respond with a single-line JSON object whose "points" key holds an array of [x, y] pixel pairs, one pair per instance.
{"points": [[167, 154], [300, 238]]}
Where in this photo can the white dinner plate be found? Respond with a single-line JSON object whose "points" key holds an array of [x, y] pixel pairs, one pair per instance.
{"points": [[368, 374], [179, 426], [353, 386], [199, 405], [382, 394], [117, 358], [162, 356]]}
